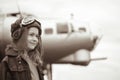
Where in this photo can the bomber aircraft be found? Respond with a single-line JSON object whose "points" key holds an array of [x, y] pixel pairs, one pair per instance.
{"points": [[63, 42]]}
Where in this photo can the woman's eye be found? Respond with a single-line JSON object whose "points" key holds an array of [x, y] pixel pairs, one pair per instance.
{"points": [[31, 34], [37, 36], [34, 35]]}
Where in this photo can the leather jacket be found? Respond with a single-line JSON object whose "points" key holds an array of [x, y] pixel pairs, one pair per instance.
{"points": [[14, 67]]}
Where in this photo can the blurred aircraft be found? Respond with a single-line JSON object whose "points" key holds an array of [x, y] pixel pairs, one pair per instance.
{"points": [[63, 42]]}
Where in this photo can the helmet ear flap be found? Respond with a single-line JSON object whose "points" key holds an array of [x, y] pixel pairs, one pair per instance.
{"points": [[17, 34]]}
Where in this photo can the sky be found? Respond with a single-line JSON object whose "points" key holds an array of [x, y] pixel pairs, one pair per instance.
{"points": [[103, 17]]}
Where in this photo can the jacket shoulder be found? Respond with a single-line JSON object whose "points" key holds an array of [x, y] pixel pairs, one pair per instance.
{"points": [[5, 59], [8, 59]]}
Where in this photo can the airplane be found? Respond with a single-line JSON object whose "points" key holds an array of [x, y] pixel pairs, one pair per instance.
{"points": [[62, 41]]}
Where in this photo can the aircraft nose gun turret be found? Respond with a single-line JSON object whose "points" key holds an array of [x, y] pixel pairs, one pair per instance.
{"points": [[83, 57]]}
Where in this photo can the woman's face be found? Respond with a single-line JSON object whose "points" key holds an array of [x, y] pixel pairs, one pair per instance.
{"points": [[32, 39]]}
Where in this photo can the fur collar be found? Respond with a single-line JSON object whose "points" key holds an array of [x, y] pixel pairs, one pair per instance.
{"points": [[11, 51]]}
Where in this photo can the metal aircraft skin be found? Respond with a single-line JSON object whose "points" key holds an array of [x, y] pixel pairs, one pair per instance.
{"points": [[60, 39]]}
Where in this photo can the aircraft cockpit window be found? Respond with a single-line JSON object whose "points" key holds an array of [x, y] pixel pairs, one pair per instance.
{"points": [[62, 28], [48, 31], [82, 29]]}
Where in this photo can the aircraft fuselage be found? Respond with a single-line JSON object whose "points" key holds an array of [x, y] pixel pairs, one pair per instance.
{"points": [[56, 45]]}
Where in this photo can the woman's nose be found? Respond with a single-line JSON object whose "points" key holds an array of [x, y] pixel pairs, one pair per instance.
{"points": [[35, 39]]}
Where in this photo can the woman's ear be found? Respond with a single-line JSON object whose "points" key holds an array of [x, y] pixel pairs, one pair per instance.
{"points": [[16, 29], [21, 43], [17, 34]]}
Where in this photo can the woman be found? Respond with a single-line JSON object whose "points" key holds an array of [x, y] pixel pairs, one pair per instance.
{"points": [[23, 60]]}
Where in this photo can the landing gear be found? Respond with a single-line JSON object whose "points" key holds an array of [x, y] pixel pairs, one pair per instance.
{"points": [[49, 71]]}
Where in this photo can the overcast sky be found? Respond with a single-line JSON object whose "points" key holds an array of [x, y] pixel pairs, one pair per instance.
{"points": [[104, 14]]}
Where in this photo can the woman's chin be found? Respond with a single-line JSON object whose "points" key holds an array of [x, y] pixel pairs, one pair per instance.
{"points": [[31, 48]]}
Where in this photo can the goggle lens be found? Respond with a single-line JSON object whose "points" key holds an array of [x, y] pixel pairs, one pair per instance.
{"points": [[27, 20]]}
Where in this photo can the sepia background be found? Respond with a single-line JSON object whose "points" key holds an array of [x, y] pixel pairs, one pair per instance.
{"points": [[103, 17]]}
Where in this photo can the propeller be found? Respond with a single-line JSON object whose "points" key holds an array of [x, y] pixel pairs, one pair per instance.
{"points": [[19, 8]]}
